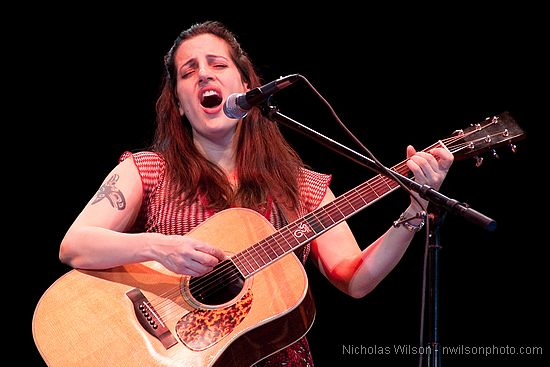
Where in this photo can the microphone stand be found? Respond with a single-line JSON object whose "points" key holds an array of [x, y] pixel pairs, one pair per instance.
{"points": [[436, 218], [442, 203], [425, 191]]}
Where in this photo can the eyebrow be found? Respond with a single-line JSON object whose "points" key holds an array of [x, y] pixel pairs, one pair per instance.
{"points": [[210, 58]]}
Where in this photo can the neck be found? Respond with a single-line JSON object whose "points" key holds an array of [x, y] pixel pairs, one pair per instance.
{"points": [[221, 153]]}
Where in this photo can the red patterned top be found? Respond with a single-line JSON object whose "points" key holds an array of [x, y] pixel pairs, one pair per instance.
{"points": [[159, 214]]}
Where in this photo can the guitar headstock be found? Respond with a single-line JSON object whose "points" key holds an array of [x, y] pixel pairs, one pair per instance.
{"points": [[489, 134]]}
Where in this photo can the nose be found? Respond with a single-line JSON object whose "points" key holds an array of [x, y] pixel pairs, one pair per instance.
{"points": [[204, 75]]}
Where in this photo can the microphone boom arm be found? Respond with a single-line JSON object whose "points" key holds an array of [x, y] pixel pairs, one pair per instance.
{"points": [[237, 105], [425, 191]]}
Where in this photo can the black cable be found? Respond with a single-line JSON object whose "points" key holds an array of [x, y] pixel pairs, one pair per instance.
{"points": [[391, 174]]}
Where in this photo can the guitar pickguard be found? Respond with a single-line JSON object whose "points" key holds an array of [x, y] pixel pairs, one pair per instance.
{"points": [[202, 328]]}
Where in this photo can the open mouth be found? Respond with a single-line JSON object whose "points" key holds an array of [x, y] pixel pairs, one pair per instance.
{"points": [[210, 98]]}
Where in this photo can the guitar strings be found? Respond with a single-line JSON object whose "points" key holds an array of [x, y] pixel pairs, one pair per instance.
{"points": [[207, 284], [380, 181], [231, 269], [219, 276]]}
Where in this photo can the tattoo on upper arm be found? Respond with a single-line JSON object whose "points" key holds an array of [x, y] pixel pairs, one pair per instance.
{"points": [[112, 193]]}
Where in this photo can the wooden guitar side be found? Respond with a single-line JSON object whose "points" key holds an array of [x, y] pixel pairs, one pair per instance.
{"points": [[86, 319]]}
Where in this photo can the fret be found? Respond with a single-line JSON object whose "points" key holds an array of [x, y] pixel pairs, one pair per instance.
{"points": [[249, 257], [243, 265], [299, 232], [344, 206], [371, 187], [315, 223], [379, 186], [296, 234], [257, 254], [264, 255], [279, 250], [357, 201], [391, 184], [280, 243], [335, 214], [290, 242], [269, 248], [323, 217]]}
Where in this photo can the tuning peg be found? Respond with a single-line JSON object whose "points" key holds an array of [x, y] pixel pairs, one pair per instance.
{"points": [[495, 153], [479, 160], [513, 147]]}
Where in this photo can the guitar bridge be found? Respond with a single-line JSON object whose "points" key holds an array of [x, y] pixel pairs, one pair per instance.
{"points": [[149, 318]]}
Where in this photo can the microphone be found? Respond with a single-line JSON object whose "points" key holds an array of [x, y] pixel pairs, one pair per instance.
{"points": [[237, 105]]}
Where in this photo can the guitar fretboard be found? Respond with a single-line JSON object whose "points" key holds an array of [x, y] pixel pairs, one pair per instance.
{"points": [[303, 230]]}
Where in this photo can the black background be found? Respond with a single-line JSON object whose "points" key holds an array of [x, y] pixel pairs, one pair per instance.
{"points": [[86, 79]]}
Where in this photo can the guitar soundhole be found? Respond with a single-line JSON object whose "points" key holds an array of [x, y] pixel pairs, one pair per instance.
{"points": [[217, 287]]}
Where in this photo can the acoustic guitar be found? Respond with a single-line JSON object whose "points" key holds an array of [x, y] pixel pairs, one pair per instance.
{"points": [[249, 306]]}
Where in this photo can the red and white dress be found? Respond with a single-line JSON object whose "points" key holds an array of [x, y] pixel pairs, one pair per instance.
{"points": [[161, 215]]}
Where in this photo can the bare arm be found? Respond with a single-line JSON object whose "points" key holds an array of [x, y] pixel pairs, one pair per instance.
{"points": [[357, 272], [96, 239]]}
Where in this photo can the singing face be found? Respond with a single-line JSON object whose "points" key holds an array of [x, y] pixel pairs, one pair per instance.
{"points": [[206, 76]]}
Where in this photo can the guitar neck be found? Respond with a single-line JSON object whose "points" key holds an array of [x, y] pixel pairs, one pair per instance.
{"points": [[465, 143], [312, 225]]}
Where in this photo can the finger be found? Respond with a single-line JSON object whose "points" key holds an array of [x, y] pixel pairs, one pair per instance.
{"points": [[211, 250], [416, 171], [410, 151], [413, 166], [194, 268], [444, 157], [424, 170], [428, 159], [201, 261]]}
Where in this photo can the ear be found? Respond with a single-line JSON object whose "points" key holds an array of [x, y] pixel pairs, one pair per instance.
{"points": [[180, 110]]}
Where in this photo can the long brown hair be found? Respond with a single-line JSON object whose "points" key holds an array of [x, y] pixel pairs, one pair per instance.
{"points": [[265, 163]]}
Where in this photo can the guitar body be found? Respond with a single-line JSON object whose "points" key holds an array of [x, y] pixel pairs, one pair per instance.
{"points": [[144, 315], [86, 317]]}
